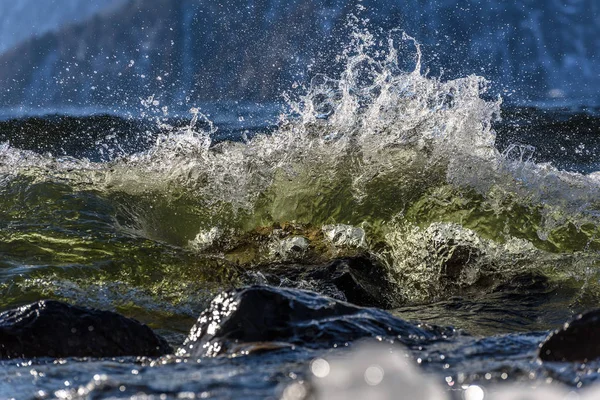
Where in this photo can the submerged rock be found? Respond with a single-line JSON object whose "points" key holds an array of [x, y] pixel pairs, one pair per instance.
{"points": [[577, 341], [359, 280], [236, 318], [50, 328]]}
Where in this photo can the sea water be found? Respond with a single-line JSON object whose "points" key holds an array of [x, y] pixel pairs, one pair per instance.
{"points": [[474, 230]]}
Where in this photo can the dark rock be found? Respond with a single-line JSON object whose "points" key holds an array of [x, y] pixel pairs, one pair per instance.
{"points": [[359, 280], [50, 328], [298, 317], [576, 341], [526, 283]]}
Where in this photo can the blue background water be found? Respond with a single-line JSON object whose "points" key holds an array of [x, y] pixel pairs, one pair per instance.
{"points": [[106, 55]]}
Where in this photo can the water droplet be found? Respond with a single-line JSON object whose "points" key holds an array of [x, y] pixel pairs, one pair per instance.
{"points": [[374, 375], [320, 368], [474, 392]]}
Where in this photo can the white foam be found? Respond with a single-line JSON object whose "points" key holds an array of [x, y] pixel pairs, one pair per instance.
{"points": [[384, 371]]}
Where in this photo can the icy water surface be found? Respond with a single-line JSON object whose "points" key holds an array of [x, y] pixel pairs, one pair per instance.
{"points": [[485, 220]]}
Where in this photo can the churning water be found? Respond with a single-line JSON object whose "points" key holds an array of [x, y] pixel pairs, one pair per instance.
{"points": [[381, 159]]}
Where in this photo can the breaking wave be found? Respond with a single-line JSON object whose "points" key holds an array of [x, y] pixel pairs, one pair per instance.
{"points": [[380, 159]]}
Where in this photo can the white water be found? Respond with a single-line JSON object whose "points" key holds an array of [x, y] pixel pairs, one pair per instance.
{"points": [[387, 372], [377, 147]]}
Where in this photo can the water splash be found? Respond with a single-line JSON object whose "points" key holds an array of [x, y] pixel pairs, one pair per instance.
{"points": [[408, 158]]}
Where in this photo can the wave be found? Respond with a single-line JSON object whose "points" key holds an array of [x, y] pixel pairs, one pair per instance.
{"points": [[380, 159]]}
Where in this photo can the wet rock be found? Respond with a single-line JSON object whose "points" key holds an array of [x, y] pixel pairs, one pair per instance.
{"points": [[50, 328], [298, 317], [576, 341], [359, 280]]}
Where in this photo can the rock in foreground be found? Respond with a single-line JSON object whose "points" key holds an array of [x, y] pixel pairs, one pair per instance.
{"points": [[260, 314], [577, 341], [359, 280], [50, 328]]}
